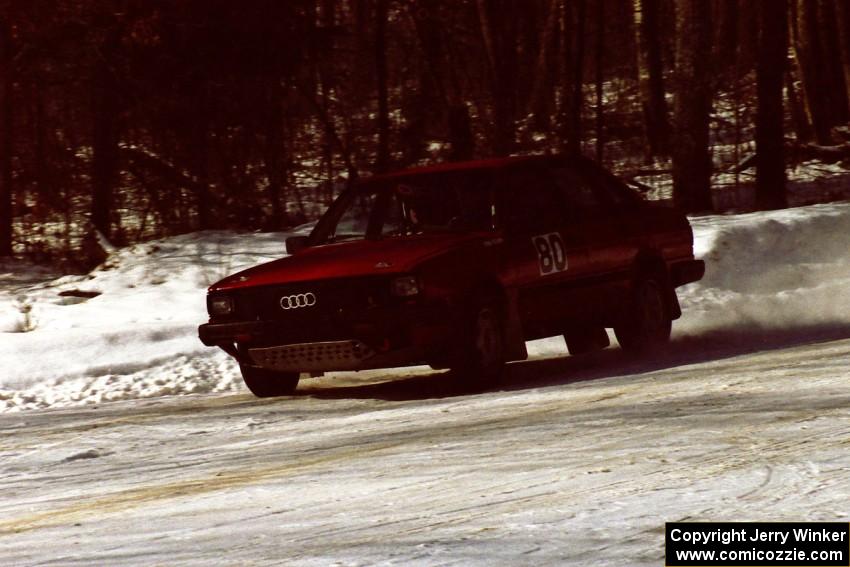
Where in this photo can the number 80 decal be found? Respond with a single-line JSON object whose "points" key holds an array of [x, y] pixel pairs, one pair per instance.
{"points": [[551, 253]]}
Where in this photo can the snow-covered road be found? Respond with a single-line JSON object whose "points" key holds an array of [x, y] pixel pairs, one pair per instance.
{"points": [[576, 460]]}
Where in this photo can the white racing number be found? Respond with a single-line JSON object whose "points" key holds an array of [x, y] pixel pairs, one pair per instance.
{"points": [[551, 253]]}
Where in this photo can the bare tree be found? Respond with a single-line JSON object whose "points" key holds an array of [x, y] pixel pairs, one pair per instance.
{"points": [[105, 129], [651, 75], [443, 75], [498, 33], [274, 150], [573, 39], [810, 60], [383, 154], [5, 137], [843, 20], [600, 77], [691, 158], [770, 142], [833, 69], [541, 83]]}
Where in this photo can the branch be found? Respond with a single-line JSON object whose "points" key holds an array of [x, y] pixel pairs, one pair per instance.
{"points": [[140, 158]]}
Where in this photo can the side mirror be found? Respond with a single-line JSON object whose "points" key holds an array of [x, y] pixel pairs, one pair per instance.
{"points": [[296, 243]]}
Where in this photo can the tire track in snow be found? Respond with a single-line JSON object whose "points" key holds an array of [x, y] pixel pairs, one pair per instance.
{"points": [[571, 409], [121, 500]]}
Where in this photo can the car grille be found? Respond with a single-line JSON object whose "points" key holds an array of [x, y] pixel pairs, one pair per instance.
{"points": [[312, 302]]}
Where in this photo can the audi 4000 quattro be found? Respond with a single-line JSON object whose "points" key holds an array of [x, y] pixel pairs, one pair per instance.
{"points": [[456, 266]]}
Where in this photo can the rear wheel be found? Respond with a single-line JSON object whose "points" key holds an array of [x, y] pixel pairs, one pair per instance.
{"points": [[647, 324], [480, 361], [268, 383]]}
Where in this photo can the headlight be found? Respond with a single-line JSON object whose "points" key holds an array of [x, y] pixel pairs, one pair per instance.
{"points": [[405, 286], [220, 305]]}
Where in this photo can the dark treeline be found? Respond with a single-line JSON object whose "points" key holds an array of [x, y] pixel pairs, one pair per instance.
{"points": [[142, 118]]}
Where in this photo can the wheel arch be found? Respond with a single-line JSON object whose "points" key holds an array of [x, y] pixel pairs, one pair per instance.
{"points": [[487, 287], [650, 263]]}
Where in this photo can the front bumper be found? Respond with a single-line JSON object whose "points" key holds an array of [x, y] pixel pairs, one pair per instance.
{"points": [[401, 338], [216, 334], [331, 355]]}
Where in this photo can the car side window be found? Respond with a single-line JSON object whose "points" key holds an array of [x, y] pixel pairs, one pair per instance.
{"points": [[435, 203], [533, 201], [354, 221], [582, 198], [613, 190]]}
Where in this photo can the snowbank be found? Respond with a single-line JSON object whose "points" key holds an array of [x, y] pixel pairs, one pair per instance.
{"points": [[782, 270], [137, 337], [771, 271]]}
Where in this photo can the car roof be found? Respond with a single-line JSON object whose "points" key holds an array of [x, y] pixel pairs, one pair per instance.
{"points": [[476, 165]]}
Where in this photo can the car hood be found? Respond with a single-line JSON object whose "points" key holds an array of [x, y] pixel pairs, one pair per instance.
{"points": [[350, 259]]}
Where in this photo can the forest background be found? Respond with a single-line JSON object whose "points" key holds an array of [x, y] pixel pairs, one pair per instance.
{"points": [[126, 120]]}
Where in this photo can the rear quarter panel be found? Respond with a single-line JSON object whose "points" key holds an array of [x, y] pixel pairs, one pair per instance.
{"points": [[667, 232]]}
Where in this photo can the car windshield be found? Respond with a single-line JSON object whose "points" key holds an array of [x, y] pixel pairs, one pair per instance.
{"points": [[410, 205]]}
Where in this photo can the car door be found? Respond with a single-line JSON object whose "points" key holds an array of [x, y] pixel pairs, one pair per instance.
{"points": [[606, 232], [543, 248]]}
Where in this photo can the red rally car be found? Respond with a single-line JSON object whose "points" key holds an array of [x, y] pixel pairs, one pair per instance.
{"points": [[456, 266]]}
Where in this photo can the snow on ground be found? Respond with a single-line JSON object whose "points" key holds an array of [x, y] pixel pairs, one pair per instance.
{"points": [[766, 272]]}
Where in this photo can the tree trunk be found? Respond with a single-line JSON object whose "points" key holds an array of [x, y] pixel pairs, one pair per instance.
{"points": [[726, 37], [39, 137], [770, 141], [836, 92], [796, 99], [430, 92], [200, 156], [565, 65], [460, 133], [459, 125], [843, 18], [274, 153], [600, 76], [541, 85], [5, 139], [497, 36], [105, 114], [383, 153], [810, 60], [573, 75], [104, 143], [691, 158], [651, 76], [748, 32], [802, 128]]}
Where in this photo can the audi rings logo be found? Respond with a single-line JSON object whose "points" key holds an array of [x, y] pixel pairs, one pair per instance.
{"points": [[298, 301]]}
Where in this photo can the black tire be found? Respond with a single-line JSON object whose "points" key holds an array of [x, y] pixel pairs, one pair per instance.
{"points": [[268, 383], [480, 361], [587, 340], [648, 323]]}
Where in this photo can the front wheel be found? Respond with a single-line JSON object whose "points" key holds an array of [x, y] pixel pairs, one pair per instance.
{"points": [[481, 360], [268, 383], [647, 324]]}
